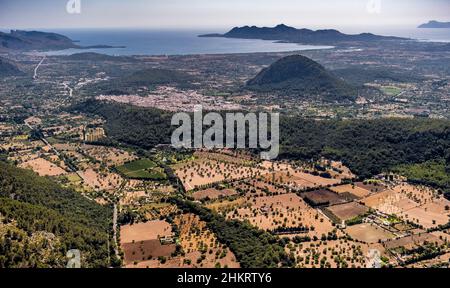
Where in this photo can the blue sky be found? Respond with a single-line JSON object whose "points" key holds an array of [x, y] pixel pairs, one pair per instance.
{"points": [[219, 14]]}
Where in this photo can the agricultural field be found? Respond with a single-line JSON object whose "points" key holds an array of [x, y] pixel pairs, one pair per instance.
{"points": [[227, 156], [258, 187], [203, 172], [198, 246], [339, 253], [348, 211], [299, 180], [99, 179], [374, 186], [142, 242], [351, 189], [409, 249], [43, 167], [285, 214], [213, 194], [417, 204], [226, 205], [143, 169], [391, 90], [417, 193], [442, 261], [424, 218], [109, 156], [210, 168], [155, 211], [73, 178], [323, 197], [376, 201], [368, 233]]}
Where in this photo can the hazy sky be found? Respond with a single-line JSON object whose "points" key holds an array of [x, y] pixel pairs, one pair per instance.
{"points": [[220, 14]]}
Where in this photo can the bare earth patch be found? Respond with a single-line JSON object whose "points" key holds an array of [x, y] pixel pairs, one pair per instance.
{"points": [[43, 167], [368, 233], [348, 211], [213, 194], [352, 189]]}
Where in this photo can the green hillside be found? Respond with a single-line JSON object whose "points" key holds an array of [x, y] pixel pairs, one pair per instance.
{"points": [[8, 69], [297, 76], [368, 147], [38, 212]]}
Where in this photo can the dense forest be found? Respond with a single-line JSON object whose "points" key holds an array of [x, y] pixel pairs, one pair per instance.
{"points": [[139, 127], [368, 147], [37, 215]]}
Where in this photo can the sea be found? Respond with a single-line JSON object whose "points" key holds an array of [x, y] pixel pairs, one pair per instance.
{"points": [[151, 42], [167, 42]]}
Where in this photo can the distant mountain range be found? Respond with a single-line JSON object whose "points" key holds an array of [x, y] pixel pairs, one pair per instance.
{"points": [[305, 36], [36, 40], [7, 68], [435, 24], [300, 77]]}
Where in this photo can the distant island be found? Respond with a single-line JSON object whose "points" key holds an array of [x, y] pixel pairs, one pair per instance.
{"points": [[294, 35], [435, 24], [36, 40]]}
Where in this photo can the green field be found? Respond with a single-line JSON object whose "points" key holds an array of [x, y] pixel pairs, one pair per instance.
{"points": [[143, 169], [73, 178], [391, 91]]}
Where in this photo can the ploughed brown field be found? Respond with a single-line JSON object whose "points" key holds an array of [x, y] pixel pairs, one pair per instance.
{"points": [[348, 211], [322, 197], [140, 242], [146, 250], [374, 188]]}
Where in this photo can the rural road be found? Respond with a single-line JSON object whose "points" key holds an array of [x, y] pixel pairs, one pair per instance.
{"points": [[66, 86], [79, 173], [116, 250], [37, 67]]}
